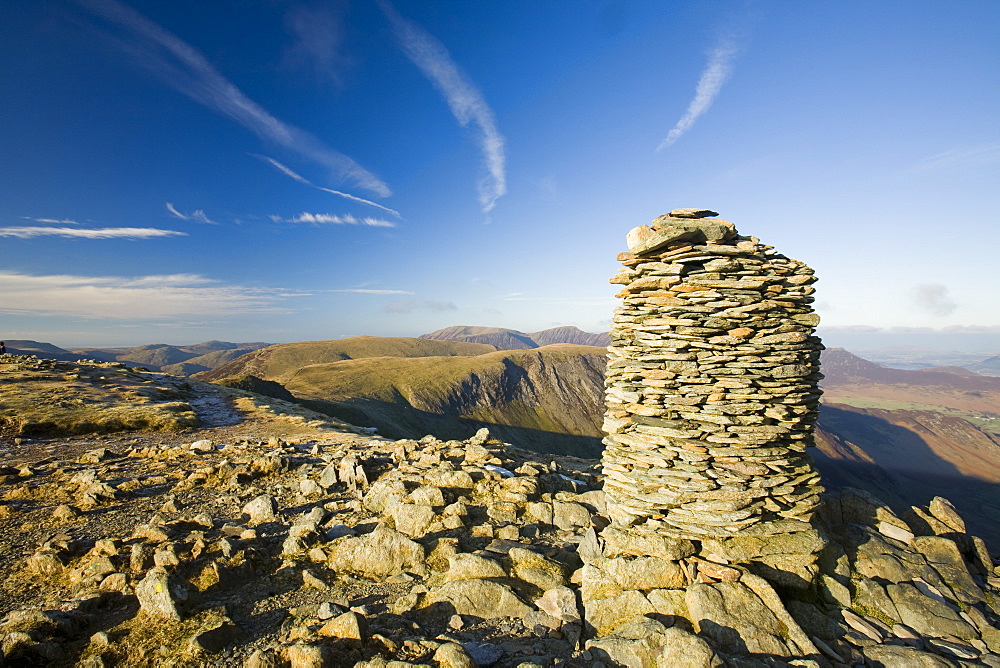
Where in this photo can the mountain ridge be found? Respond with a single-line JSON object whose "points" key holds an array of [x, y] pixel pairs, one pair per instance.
{"points": [[512, 339], [179, 360], [276, 361]]}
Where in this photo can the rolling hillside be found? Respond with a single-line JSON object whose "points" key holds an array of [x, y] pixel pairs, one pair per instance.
{"points": [[988, 367], [959, 392], [39, 349], [501, 339], [280, 361], [548, 399], [570, 335], [206, 362], [176, 360]]}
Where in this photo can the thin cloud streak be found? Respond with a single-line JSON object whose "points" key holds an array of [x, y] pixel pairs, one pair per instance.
{"points": [[100, 233], [979, 155], [283, 169], [367, 291], [359, 199], [200, 216], [188, 71], [466, 102], [333, 219], [301, 179], [57, 221], [720, 65], [175, 212], [197, 215], [132, 298]]}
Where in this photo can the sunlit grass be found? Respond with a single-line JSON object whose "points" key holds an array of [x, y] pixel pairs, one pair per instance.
{"points": [[49, 398]]}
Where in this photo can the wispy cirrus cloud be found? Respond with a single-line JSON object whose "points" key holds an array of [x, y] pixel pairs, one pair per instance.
{"points": [[334, 219], [373, 291], [55, 221], [464, 99], [287, 171], [133, 298], [718, 69], [197, 215], [188, 71], [82, 233], [358, 199], [967, 157]]}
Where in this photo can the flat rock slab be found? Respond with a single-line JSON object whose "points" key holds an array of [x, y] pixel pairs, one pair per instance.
{"points": [[732, 615], [465, 566], [927, 615], [646, 642], [605, 614], [896, 655], [381, 553], [481, 598]]}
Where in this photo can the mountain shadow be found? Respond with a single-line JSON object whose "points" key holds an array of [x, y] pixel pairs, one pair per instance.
{"points": [[396, 420], [902, 464]]}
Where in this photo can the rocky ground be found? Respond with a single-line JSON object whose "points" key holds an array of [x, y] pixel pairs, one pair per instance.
{"points": [[271, 536]]}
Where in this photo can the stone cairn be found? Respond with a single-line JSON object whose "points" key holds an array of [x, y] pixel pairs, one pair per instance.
{"points": [[711, 400], [711, 383]]}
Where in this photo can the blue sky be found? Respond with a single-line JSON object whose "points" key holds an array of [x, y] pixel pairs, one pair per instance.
{"points": [[280, 171]]}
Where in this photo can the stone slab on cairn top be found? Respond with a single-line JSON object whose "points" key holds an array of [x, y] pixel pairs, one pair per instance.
{"points": [[712, 384]]}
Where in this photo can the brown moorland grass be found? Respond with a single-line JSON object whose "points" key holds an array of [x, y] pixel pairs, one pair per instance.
{"points": [[40, 397], [280, 361]]}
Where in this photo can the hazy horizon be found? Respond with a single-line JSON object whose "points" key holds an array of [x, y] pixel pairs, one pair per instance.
{"points": [[857, 340]]}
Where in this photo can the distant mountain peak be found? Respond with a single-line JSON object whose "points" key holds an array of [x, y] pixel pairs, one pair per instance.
{"points": [[512, 339], [570, 334]]}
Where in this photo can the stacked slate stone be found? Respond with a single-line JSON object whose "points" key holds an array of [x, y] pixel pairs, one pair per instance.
{"points": [[711, 384]]}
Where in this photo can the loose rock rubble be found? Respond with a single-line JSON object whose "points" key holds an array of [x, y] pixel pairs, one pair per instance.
{"points": [[288, 540]]}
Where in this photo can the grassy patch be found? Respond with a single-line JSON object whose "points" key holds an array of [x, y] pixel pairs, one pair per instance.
{"points": [[874, 613], [281, 362], [50, 398]]}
